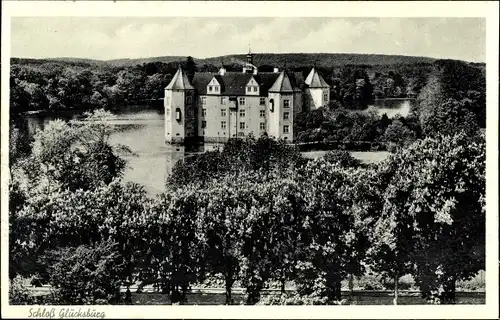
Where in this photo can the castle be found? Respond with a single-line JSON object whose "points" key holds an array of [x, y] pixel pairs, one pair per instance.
{"points": [[214, 107]]}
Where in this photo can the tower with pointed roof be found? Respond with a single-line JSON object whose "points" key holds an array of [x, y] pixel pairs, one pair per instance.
{"points": [[180, 111], [317, 91], [284, 102]]}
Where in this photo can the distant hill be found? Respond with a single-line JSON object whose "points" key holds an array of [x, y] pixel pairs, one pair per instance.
{"points": [[320, 59], [289, 59], [132, 62], [280, 60]]}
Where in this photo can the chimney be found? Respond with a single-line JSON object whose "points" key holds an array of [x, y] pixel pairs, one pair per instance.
{"points": [[276, 70], [222, 71]]}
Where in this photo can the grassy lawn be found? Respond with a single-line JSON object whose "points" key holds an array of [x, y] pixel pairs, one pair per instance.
{"points": [[358, 299], [364, 156]]}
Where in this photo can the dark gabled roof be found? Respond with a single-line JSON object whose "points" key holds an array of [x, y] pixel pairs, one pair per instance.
{"points": [[297, 80], [201, 80], [265, 81], [180, 81], [234, 83]]}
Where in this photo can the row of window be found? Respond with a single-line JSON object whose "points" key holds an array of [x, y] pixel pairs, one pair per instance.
{"points": [[262, 126], [286, 115], [252, 89], [262, 101], [241, 100]]}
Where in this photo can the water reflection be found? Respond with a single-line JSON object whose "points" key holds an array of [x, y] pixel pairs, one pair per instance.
{"points": [[393, 107]]}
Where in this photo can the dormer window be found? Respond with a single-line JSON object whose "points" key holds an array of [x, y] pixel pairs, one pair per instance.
{"points": [[254, 89], [249, 89], [213, 87]]}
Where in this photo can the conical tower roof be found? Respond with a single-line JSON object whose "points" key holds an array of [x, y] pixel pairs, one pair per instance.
{"points": [[282, 84], [314, 80], [180, 81]]}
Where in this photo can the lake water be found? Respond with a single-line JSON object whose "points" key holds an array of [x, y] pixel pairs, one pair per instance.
{"points": [[392, 107], [142, 129]]}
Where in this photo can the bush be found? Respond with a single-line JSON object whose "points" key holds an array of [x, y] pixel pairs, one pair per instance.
{"points": [[292, 299], [370, 282], [342, 158], [19, 291], [477, 283], [87, 275]]}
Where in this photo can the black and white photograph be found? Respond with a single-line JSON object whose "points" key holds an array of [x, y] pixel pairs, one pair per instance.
{"points": [[264, 161]]}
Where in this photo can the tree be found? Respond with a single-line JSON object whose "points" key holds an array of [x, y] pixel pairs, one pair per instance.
{"points": [[220, 225], [77, 154], [449, 117], [236, 156], [398, 134], [432, 222], [86, 274], [190, 68], [328, 238]]}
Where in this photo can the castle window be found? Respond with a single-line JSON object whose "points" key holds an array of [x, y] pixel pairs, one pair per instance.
{"points": [[241, 134], [209, 88], [262, 113], [222, 100], [325, 97], [167, 100], [216, 88], [262, 101], [286, 129], [203, 100], [242, 113], [223, 125], [203, 112], [189, 113], [203, 124], [286, 103], [242, 125], [242, 101], [262, 126], [178, 114], [286, 115], [189, 99], [222, 112], [167, 112]]}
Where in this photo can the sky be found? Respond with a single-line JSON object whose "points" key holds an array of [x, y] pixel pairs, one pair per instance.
{"points": [[142, 37]]}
